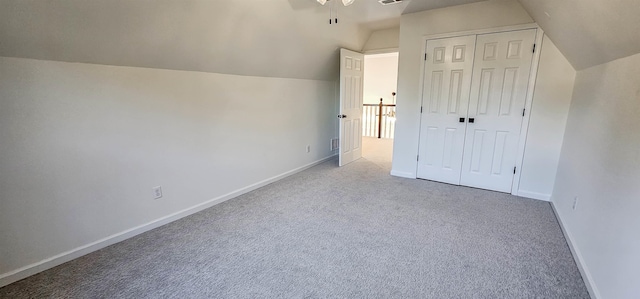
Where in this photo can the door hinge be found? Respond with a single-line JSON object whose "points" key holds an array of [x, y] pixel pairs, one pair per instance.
{"points": [[420, 109], [425, 56], [514, 170], [534, 48], [418, 158], [523, 110]]}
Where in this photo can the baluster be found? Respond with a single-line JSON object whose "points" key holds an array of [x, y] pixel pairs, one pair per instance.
{"points": [[380, 118]]}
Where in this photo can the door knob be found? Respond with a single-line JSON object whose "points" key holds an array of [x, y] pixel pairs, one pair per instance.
{"points": [[342, 116], [462, 119], [471, 120]]}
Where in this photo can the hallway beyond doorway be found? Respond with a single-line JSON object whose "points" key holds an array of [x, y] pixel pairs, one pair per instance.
{"points": [[378, 150]]}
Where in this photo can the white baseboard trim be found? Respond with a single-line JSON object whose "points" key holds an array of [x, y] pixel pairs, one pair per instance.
{"points": [[26, 271], [534, 195], [577, 256], [403, 174]]}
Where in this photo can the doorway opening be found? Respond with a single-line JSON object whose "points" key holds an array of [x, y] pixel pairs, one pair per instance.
{"points": [[379, 110]]}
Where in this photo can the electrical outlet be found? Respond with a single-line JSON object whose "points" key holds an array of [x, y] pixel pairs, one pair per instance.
{"points": [[157, 192], [575, 202], [308, 148]]}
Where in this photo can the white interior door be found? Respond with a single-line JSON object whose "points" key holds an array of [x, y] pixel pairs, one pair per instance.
{"points": [[501, 72], [445, 100], [351, 84]]}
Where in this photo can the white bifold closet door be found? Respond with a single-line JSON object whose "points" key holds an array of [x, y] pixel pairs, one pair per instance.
{"points": [[496, 89], [445, 99], [498, 93]]}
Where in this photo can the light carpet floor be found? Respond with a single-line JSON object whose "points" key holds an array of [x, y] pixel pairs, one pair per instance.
{"points": [[349, 232], [378, 151]]}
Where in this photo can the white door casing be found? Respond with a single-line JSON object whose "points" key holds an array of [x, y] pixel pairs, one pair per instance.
{"points": [[445, 100], [501, 71], [491, 89], [351, 85]]}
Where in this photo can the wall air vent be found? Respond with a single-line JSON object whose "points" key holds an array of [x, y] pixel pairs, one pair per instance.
{"points": [[389, 2]]}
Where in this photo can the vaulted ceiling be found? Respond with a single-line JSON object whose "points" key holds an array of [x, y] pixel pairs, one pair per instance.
{"points": [[249, 37], [275, 38], [589, 32], [422, 5]]}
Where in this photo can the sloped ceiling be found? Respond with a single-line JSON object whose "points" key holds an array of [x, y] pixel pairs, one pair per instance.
{"points": [[369, 13], [269, 38], [422, 5], [275, 38], [589, 32], [249, 37]]}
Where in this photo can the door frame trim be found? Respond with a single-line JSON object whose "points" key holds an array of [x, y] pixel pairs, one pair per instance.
{"points": [[480, 31], [524, 128], [381, 51]]}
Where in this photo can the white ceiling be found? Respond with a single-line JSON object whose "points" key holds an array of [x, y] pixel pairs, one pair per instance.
{"points": [[248, 37], [271, 38], [422, 5], [589, 32], [374, 15], [369, 13]]}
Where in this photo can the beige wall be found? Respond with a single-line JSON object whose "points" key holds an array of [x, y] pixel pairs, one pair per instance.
{"points": [[267, 38], [600, 165], [413, 27], [82, 146], [551, 100], [381, 40], [552, 94]]}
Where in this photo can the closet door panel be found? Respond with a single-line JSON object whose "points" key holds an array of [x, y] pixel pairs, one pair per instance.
{"points": [[498, 92], [446, 90]]}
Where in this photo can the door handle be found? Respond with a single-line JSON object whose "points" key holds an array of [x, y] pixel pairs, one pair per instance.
{"points": [[462, 119], [342, 116], [471, 120]]}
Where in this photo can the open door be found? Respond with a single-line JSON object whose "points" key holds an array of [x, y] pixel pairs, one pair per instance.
{"points": [[351, 84]]}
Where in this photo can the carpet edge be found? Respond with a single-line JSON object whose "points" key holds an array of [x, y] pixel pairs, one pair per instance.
{"points": [[56, 260], [577, 256]]}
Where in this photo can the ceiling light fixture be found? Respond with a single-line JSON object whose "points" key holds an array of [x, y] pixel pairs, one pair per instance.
{"points": [[344, 2], [333, 10]]}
